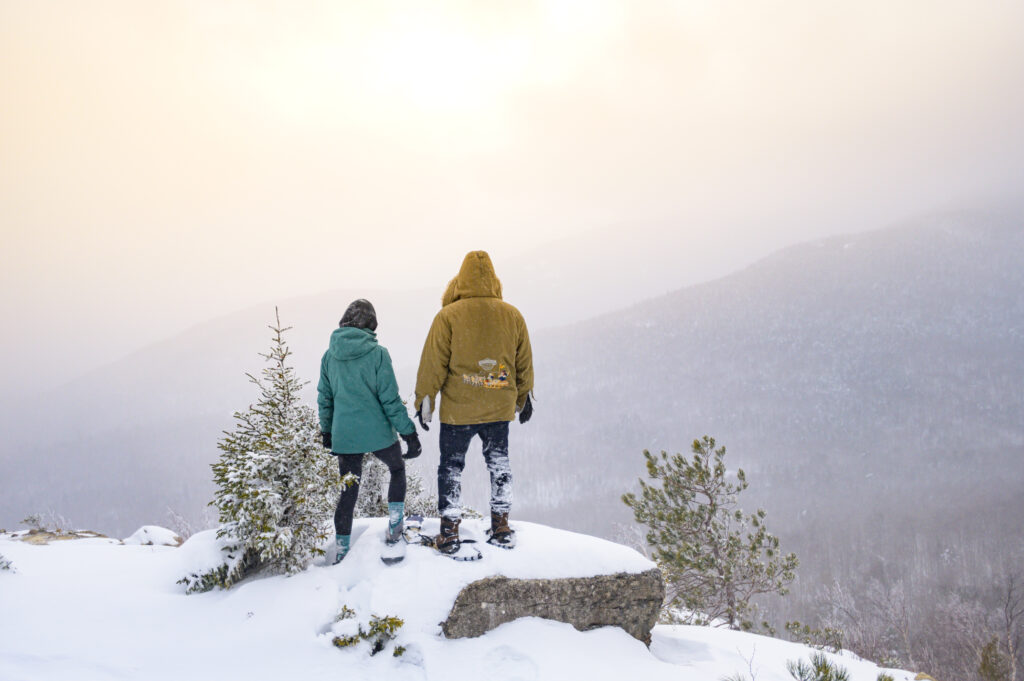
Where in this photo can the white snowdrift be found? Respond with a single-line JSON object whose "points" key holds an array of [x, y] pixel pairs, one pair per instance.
{"points": [[154, 535], [96, 609]]}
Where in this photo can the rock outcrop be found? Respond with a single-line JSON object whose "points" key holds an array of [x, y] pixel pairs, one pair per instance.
{"points": [[40, 537], [627, 600]]}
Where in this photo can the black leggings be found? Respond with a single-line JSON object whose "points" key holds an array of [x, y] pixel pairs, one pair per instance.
{"points": [[353, 463]]}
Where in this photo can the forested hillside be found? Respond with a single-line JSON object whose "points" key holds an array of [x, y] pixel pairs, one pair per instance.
{"points": [[871, 386]]}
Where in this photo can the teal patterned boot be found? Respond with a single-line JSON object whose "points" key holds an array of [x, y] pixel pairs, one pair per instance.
{"points": [[341, 546], [394, 544], [396, 514]]}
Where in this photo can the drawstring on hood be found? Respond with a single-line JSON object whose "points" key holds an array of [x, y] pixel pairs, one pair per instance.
{"points": [[476, 279]]}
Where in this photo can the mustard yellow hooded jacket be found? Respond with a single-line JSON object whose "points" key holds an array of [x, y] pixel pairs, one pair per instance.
{"points": [[477, 353]]}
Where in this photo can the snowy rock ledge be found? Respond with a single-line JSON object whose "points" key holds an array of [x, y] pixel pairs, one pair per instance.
{"points": [[101, 610], [629, 601], [565, 577]]}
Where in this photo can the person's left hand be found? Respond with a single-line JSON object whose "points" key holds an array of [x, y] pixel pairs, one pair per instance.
{"points": [[413, 446], [326, 438]]}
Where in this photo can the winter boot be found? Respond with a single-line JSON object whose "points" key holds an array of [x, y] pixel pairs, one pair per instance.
{"points": [[448, 541], [500, 533], [394, 548], [396, 513], [341, 546]]}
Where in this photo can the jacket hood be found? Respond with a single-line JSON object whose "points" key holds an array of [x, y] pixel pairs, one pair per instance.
{"points": [[350, 342], [361, 315], [476, 279]]}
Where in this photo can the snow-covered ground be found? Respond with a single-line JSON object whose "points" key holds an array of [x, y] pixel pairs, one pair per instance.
{"points": [[98, 609]]}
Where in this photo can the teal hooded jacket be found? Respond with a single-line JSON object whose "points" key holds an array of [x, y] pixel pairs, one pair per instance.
{"points": [[358, 394]]}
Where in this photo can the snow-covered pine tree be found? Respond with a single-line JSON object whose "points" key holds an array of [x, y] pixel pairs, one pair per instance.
{"points": [[417, 499], [714, 556], [373, 492], [276, 486]]}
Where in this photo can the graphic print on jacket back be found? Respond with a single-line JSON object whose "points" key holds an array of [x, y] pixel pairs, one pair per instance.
{"points": [[477, 352], [487, 377]]}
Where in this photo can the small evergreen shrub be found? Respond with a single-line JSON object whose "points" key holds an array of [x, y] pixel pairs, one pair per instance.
{"points": [[827, 638], [820, 669], [373, 492], [276, 486], [995, 664], [50, 521], [882, 676], [346, 613], [238, 563], [34, 521], [379, 632], [346, 641], [714, 557], [4, 563]]}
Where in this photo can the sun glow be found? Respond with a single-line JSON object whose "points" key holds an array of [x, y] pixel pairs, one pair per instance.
{"points": [[432, 65], [409, 67]]}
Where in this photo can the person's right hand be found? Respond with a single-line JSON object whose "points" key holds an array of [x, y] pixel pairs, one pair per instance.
{"points": [[423, 414], [413, 446], [527, 411]]}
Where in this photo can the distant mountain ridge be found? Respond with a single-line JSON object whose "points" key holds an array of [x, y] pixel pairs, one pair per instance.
{"points": [[871, 385], [850, 348]]}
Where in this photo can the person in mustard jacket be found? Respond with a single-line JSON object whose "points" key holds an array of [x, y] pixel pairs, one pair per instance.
{"points": [[360, 411], [477, 356]]}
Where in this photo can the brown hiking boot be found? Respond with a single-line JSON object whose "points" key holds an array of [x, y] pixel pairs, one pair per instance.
{"points": [[500, 533], [448, 541]]}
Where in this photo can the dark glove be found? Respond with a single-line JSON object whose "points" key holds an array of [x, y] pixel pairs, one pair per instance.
{"points": [[419, 417], [413, 446], [326, 437], [527, 411]]}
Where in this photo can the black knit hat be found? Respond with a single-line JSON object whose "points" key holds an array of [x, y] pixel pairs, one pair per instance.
{"points": [[361, 315]]}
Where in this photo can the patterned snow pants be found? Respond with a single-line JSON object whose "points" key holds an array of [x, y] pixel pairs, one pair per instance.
{"points": [[454, 445]]}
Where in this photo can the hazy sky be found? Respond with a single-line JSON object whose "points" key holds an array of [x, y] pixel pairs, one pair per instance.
{"points": [[162, 163]]}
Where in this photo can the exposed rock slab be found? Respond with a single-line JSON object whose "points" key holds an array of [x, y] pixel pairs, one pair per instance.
{"points": [[627, 600], [41, 537]]}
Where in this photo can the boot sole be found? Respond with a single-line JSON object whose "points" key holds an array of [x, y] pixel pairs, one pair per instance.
{"points": [[393, 559], [464, 553], [505, 540]]}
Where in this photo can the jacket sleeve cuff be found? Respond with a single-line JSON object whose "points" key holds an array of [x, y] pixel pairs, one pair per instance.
{"points": [[432, 401]]}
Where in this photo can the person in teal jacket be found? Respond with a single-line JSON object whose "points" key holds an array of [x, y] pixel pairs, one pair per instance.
{"points": [[360, 412]]}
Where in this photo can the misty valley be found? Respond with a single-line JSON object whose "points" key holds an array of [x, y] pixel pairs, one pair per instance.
{"points": [[871, 386]]}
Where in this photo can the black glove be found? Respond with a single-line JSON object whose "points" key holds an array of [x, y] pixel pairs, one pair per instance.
{"points": [[326, 437], [419, 417], [527, 411], [413, 446]]}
